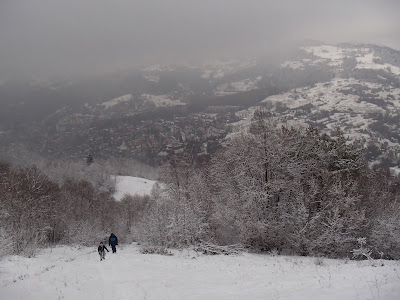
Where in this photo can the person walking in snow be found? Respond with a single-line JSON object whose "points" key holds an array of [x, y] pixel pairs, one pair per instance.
{"points": [[101, 249], [113, 241]]}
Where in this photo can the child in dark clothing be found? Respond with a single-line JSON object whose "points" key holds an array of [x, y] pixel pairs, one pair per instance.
{"points": [[101, 251]]}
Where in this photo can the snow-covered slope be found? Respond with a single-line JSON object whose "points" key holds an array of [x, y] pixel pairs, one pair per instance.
{"points": [[339, 99], [334, 56], [77, 273], [362, 98], [237, 87], [115, 101], [128, 185], [162, 100]]}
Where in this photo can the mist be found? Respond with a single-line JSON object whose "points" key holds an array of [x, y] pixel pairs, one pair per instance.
{"points": [[47, 38]]}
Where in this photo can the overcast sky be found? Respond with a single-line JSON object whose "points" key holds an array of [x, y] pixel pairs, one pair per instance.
{"points": [[47, 37]]}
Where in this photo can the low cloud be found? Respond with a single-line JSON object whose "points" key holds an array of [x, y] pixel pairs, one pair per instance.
{"points": [[81, 37]]}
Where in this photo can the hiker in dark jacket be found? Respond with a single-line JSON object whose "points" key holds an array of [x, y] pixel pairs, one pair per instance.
{"points": [[101, 251], [113, 241]]}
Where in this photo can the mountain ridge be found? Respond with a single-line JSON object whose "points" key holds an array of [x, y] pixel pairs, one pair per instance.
{"points": [[354, 87]]}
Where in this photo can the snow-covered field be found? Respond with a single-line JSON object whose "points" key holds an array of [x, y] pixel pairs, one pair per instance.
{"points": [[77, 273], [128, 185]]}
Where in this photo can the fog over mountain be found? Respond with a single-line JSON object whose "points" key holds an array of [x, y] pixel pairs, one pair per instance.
{"points": [[47, 38]]}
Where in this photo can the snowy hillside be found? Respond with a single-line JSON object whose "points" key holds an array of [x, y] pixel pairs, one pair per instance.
{"points": [[236, 87], [338, 97], [77, 273], [334, 56], [128, 185], [162, 100], [115, 101], [362, 98]]}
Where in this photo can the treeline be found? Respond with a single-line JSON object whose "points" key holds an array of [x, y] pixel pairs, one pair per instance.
{"points": [[36, 211], [62, 202], [277, 188], [273, 188]]}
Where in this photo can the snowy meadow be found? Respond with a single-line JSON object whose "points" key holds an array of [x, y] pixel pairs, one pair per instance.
{"points": [[77, 273]]}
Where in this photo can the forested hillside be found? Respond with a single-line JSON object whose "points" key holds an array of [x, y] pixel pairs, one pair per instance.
{"points": [[272, 188]]}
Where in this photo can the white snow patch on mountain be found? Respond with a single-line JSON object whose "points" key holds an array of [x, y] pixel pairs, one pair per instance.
{"points": [[152, 78], [215, 74], [367, 62], [328, 96], [332, 53], [295, 65], [162, 100], [245, 85], [395, 170], [115, 101], [158, 68], [128, 185]]}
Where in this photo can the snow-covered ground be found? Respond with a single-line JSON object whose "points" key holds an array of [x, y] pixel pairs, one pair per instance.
{"points": [[334, 56], [333, 53], [245, 85], [367, 62], [128, 185], [162, 100], [115, 101], [77, 273]]}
